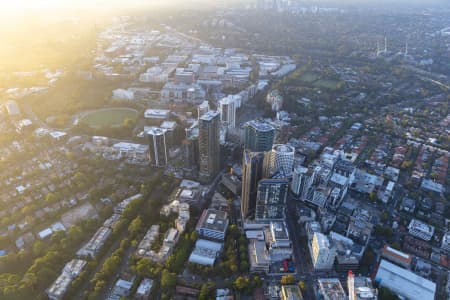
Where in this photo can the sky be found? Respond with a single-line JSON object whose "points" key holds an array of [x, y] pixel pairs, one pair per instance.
{"points": [[13, 7]]}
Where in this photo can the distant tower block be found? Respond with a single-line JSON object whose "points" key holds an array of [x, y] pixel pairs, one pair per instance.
{"points": [[406, 48]]}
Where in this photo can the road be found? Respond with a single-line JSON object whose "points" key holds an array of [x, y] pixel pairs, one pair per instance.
{"points": [[301, 254]]}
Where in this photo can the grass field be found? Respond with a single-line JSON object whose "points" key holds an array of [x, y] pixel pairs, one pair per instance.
{"points": [[309, 77], [111, 117], [327, 84]]}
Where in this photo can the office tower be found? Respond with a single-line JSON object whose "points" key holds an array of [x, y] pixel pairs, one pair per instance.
{"points": [[158, 148], [281, 158], [299, 180], [202, 109], [209, 146], [190, 152], [258, 136], [322, 252], [252, 173], [271, 199], [227, 108]]}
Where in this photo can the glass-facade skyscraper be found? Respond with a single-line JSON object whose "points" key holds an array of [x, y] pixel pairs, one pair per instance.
{"points": [[271, 199], [209, 145], [258, 136]]}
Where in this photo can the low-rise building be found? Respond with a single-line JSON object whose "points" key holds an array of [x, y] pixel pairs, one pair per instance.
{"points": [[404, 283], [258, 256], [396, 256], [360, 288], [120, 207], [157, 114], [290, 292], [62, 284], [205, 252], [421, 230], [232, 183], [348, 253], [182, 92], [445, 245], [278, 241], [330, 289], [212, 224], [121, 289], [93, 246], [408, 205], [144, 289], [430, 185], [145, 245]]}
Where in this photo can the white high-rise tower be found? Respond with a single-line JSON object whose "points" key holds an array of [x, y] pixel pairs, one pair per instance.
{"points": [[227, 107]]}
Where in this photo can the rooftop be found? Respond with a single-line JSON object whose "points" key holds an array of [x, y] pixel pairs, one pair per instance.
{"points": [[156, 113], [421, 226], [279, 231], [213, 220], [331, 289], [156, 131], [322, 240], [398, 255], [291, 292], [260, 125], [283, 148], [208, 116], [364, 289], [145, 287], [404, 282], [169, 125], [205, 252]]}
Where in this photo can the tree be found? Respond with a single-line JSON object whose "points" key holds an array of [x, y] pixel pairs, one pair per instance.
{"points": [[287, 279], [135, 226], [111, 265], [386, 294], [242, 283], [193, 237], [146, 268], [51, 198], [168, 280], [257, 282], [205, 292], [396, 245], [243, 267]]}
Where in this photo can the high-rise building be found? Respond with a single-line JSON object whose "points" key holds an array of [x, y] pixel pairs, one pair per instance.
{"points": [[281, 158], [299, 180], [227, 108], [209, 145], [252, 173], [271, 199], [322, 252], [202, 108], [190, 152], [258, 136], [158, 147]]}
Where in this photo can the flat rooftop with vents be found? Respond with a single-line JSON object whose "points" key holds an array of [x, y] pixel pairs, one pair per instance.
{"points": [[213, 224]]}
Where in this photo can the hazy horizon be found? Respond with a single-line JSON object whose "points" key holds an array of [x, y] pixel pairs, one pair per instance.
{"points": [[21, 6]]}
